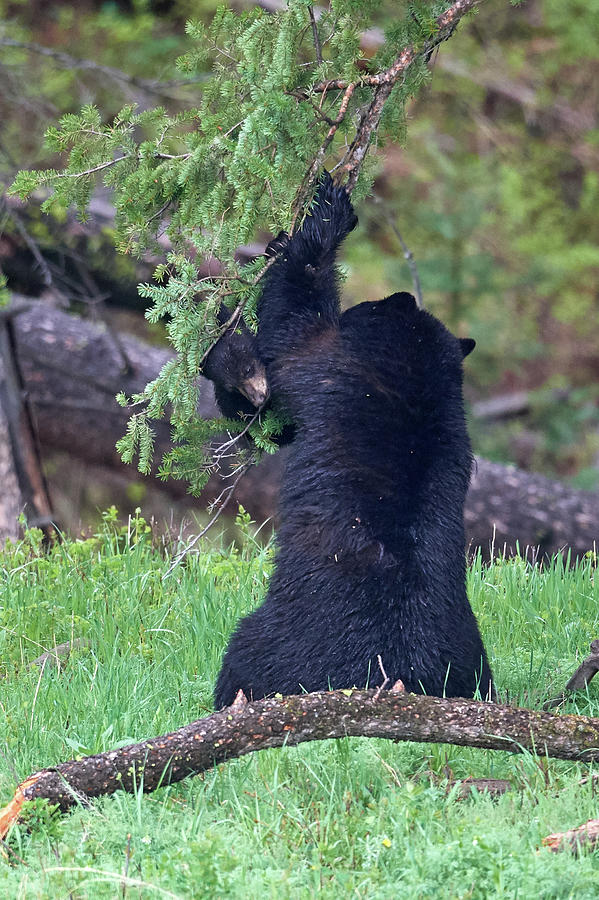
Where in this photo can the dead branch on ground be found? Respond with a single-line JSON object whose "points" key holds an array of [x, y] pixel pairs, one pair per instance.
{"points": [[586, 670], [584, 837], [246, 727]]}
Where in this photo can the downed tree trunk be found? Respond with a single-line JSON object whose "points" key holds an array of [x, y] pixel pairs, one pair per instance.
{"points": [[581, 678], [508, 508], [73, 368], [247, 727], [586, 671]]}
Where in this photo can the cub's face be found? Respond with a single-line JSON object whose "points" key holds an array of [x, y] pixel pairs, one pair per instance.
{"points": [[233, 365]]}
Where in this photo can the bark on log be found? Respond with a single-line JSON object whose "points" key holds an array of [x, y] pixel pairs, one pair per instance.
{"points": [[72, 371], [508, 508], [248, 727]]}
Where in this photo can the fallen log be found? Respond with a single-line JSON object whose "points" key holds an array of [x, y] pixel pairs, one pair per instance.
{"points": [[581, 678], [246, 727]]}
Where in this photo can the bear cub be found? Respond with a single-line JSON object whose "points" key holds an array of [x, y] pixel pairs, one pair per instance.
{"points": [[370, 552], [234, 368]]}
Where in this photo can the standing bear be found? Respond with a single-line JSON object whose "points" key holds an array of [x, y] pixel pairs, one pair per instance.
{"points": [[370, 552]]}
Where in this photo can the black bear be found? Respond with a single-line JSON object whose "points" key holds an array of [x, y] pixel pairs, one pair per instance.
{"points": [[233, 366], [371, 557]]}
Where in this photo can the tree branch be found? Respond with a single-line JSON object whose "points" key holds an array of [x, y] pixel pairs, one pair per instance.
{"points": [[383, 82], [248, 727], [586, 671], [221, 502], [315, 35], [71, 62]]}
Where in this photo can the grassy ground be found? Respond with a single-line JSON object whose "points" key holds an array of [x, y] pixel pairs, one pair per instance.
{"points": [[351, 818]]}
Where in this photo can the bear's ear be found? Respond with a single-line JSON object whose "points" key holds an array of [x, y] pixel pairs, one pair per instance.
{"points": [[402, 298], [467, 345]]}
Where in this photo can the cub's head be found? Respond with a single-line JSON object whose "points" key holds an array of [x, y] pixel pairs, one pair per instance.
{"points": [[235, 369]]}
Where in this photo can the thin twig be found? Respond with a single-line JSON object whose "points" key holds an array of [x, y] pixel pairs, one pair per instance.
{"points": [[7, 851], [385, 682], [229, 493], [94, 169], [315, 35], [72, 62], [220, 451], [97, 303], [408, 255], [409, 258], [31, 244]]}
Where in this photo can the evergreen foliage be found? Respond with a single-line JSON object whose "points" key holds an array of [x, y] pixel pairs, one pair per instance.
{"points": [[245, 158]]}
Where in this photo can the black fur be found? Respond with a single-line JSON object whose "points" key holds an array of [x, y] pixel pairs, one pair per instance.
{"points": [[233, 366], [371, 548]]}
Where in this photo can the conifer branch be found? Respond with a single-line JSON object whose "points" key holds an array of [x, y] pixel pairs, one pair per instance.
{"points": [[92, 171], [383, 82], [446, 24], [207, 177]]}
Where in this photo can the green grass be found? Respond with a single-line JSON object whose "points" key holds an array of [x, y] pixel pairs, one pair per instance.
{"points": [[350, 818]]}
